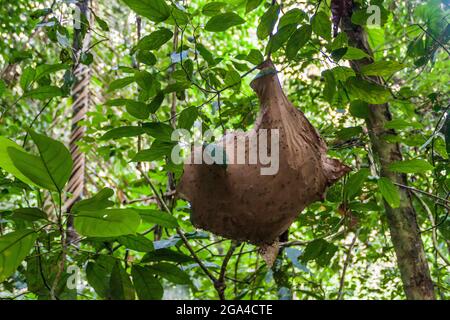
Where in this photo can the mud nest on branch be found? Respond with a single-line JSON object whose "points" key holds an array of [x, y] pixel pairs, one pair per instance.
{"points": [[246, 202]]}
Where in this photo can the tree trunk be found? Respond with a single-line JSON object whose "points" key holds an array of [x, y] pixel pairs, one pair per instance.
{"points": [[402, 221], [80, 106]]}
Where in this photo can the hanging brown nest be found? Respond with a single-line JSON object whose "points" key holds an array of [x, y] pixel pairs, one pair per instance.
{"points": [[240, 201]]}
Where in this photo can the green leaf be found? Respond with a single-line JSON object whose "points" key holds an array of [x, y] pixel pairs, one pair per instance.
{"points": [[146, 57], [137, 109], [319, 250], [122, 132], [158, 150], [400, 124], [146, 285], [342, 73], [268, 21], [159, 131], [158, 217], [2, 87], [187, 118], [366, 91], [27, 78], [29, 214], [252, 5], [7, 163], [46, 69], [14, 247], [98, 202], [156, 102], [102, 24], [321, 25], [223, 21], [355, 182], [298, 39], [44, 92], [144, 79], [293, 16], [51, 169], [389, 192], [120, 83], [411, 166], [170, 272], [213, 8], [359, 109], [279, 38], [155, 40], [232, 79], [166, 255], [329, 90], [354, 54], [155, 10], [107, 222], [136, 242], [444, 228], [120, 284], [98, 275], [382, 68], [255, 57]]}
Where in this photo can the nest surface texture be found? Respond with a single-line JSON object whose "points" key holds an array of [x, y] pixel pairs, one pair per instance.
{"points": [[237, 201]]}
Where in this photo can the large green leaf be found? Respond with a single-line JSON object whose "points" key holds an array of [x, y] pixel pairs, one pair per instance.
{"points": [[98, 275], [170, 272], [255, 57], [382, 68], [121, 287], [158, 150], [29, 214], [51, 169], [146, 285], [252, 5], [158, 130], [155, 10], [355, 182], [107, 222], [321, 25], [136, 242], [46, 69], [367, 91], [14, 247], [280, 38], [223, 21], [44, 92], [155, 39], [120, 83], [268, 21], [293, 16], [411, 166], [122, 132], [187, 118], [98, 202], [6, 162], [213, 8], [158, 217], [298, 39], [319, 250], [165, 254], [389, 192], [27, 77], [137, 109]]}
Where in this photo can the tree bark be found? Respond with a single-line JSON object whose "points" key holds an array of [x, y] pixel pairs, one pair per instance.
{"points": [[411, 258], [80, 106]]}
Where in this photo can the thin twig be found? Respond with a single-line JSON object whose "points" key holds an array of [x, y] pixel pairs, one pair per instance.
{"points": [[347, 262]]}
